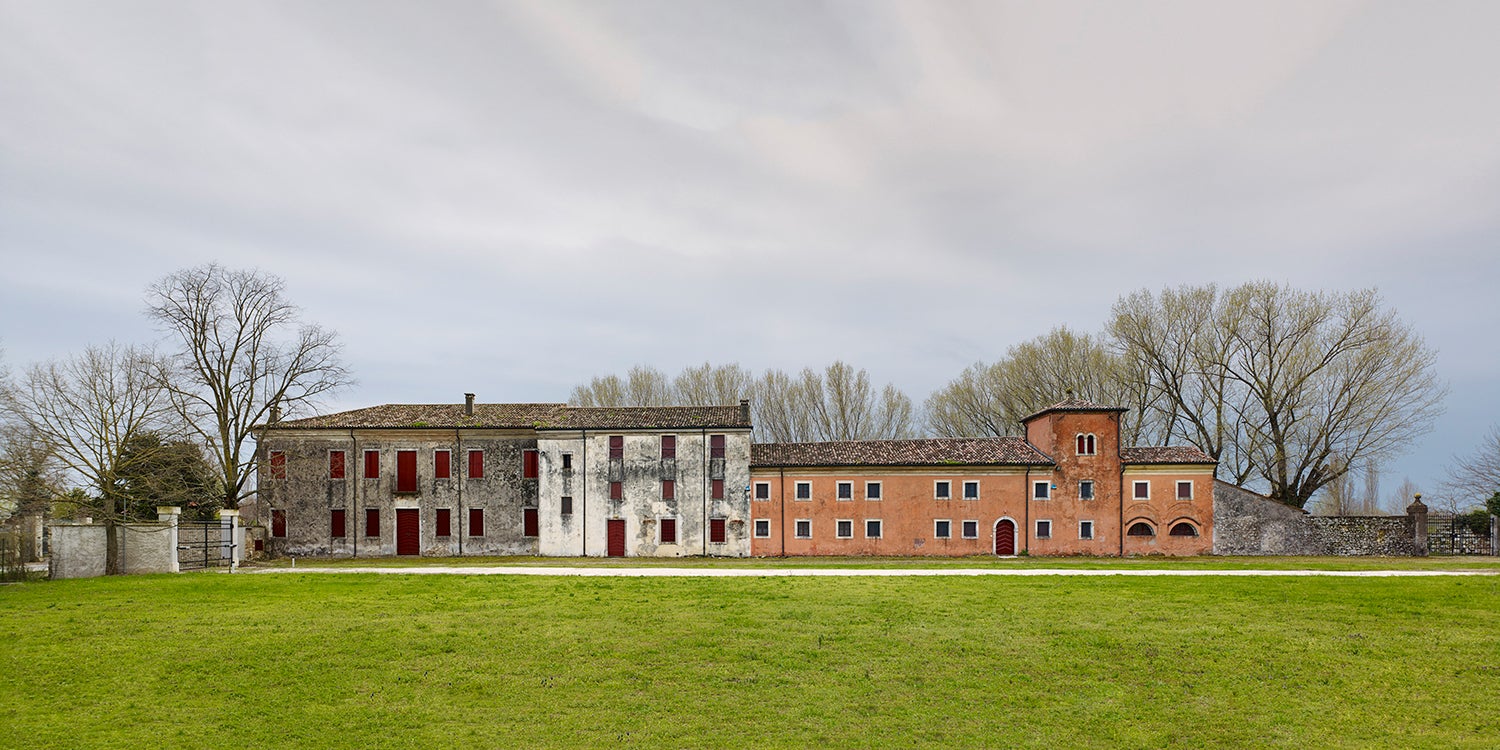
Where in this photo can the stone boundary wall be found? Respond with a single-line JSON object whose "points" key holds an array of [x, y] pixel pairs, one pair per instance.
{"points": [[78, 549], [1246, 523]]}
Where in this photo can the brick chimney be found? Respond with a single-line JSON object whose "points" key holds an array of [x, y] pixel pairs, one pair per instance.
{"points": [[745, 410], [469, 404], [275, 413]]}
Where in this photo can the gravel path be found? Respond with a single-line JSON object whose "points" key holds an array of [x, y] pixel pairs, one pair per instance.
{"points": [[837, 572]]}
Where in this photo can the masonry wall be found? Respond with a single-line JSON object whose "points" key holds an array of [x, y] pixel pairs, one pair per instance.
{"points": [[78, 549], [1250, 524]]}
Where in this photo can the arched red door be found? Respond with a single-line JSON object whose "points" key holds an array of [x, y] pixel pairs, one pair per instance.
{"points": [[1005, 537]]}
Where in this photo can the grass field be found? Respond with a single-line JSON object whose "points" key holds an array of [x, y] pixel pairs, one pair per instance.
{"points": [[210, 660]]}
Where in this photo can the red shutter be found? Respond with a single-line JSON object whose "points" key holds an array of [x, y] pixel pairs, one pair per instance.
{"points": [[616, 490], [372, 464], [372, 522], [444, 525], [335, 464], [616, 447], [716, 530], [668, 531], [476, 464], [476, 522], [718, 488], [529, 468], [336, 525], [278, 523], [715, 446], [528, 522], [668, 489], [406, 471], [442, 464], [669, 446], [278, 465]]}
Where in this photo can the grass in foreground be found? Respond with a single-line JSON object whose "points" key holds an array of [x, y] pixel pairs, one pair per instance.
{"points": [[509, 661]]}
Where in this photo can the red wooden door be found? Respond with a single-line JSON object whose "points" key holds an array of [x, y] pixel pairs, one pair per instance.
{"points": [[616, 537], [408, 540], [1005, 537]]}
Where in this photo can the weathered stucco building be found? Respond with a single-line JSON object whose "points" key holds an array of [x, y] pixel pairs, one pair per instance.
{"points": [[508, 479]]}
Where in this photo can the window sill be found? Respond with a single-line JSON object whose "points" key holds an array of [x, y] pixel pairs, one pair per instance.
{"points": [[407, 493]]}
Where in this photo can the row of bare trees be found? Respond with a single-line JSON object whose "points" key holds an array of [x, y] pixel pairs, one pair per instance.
{"points": [[134, 426]]}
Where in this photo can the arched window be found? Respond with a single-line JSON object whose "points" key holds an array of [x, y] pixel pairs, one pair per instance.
{"points": [[1085, 445], [1183, 529], [1141, 528]]}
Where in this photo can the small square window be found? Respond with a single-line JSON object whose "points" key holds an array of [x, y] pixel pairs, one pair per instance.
{"points": [[567, 505], [1086, 489], [872, 490], [762, 490], [942, 529], [843, 529], [1043, 529], [804, 490], [872, 529], [803, 528], [1142, 490], [1185, 490], [668, 531], [942, 490], [1085, 529], [567, 462], [846, 490], [762, 528], [971, 490], [1041, 490], [970, 529]]}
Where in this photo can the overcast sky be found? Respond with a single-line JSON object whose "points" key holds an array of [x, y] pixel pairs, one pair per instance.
{"points": [[511, 197]]}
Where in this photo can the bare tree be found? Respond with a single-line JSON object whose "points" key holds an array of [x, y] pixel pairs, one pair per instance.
{"points": [[242, 349], [1292, 388], [642, 386], [87, 410], [1476, 477], [30, 476], [839, 403], [711, 385]]}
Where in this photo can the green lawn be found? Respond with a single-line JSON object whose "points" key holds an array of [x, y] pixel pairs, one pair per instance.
{"points": [[211, 660]]}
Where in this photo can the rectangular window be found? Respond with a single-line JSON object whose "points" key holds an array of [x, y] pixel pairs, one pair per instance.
{"points": [[476, 522], [278, 465], [529, 522], [942, 490], [669, 446], [372, 464], [942, 529], [335, 464], [278, 523], [567, 505], [803, 528], [476, 464], [668, 489], [668, 531], [444, 522], [716, 533], [567, 462], [872, 490], [1041, 490], [762, 528], [716, 486], [1043, 529], [406, 471], [1142, 490], [442, 464], [872, 529], [1086, 489], [804, 490], [715, 446], [616, 447], [845, 490], [971, 490], [762, 490], [1185, 490], [616, 490], [372, 522], [1085, 529], [971, 529], [336, 526], [530, 464], [843, 529]]}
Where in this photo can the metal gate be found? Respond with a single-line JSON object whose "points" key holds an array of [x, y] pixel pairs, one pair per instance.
{"points": [[205, 544]]}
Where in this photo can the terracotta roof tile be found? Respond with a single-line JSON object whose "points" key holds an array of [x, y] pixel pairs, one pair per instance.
{"points": [[646, 417], [522, 416], [1073, 404], [1169, 454], [931, 452]]}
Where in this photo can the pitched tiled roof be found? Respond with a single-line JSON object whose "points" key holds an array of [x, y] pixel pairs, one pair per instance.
{"points": [[522, 416], [1073, 404], [1170, 454], [933, 452]]}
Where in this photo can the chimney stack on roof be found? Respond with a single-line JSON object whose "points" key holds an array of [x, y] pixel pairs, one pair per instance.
{"points": [[469, 404], [275, 413], [745, 410]]}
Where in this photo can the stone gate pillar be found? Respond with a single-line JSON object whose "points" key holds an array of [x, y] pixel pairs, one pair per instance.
{"points": [[168, 514], [234, 535], [1417, 512]]}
